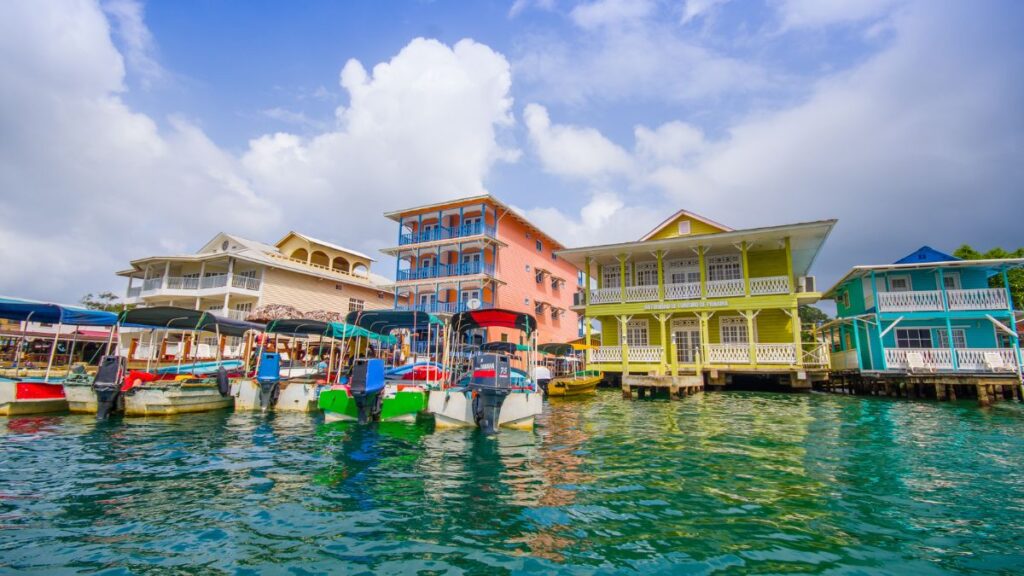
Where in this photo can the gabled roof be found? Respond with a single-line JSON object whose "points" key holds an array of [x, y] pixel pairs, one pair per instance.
{"points": [[926, 254], [330, 245], [689, 215]]}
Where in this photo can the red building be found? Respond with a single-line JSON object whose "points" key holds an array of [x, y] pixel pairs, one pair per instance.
{"points": [[477, 252]]}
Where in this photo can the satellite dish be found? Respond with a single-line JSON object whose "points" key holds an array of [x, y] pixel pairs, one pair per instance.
{"points": [[473, 303]]}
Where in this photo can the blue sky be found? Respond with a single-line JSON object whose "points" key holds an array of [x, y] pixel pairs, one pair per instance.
{"points": [[135, 128]]}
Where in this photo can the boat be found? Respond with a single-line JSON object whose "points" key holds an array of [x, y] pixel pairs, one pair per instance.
{"points": [[487, 390], [404, 392], [569, 379], [24, 391], [146, 393]]}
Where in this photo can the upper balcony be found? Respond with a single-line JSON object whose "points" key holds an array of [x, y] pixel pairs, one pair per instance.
{"points": [[759, 286], [933, 301], [445, 271], [195, 286], [437, 233]]}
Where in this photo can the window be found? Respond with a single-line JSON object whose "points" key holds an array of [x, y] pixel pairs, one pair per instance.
{"points": [[959, 338], [724, 268], [684, 227], [246, 307], [682, 271], [355, 305], [913, 338], [845, 299], [636, 333], [540, 277], [951, 280], [554, 256], [1004, 340], [468, 295], [540, 246], [647, 274], [504, 337], [900, 284], [733, 330], [610, 275], [472, 225]]}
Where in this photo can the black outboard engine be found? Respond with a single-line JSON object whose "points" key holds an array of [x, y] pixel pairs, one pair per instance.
{"points": [[367, 388], [269, 379], [107, 386], [491, 383]]}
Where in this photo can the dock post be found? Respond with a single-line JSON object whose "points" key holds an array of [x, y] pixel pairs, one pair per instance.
{"points": [[952, 392], [940, 391]]}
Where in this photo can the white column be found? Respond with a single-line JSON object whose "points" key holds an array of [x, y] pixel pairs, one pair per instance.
{"points": [[227, 288], [167, 272]]}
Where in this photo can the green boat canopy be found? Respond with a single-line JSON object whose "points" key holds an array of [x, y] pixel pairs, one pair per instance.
{"points": [[556, 349], [506, 347], [384, 321], [340, 330]]}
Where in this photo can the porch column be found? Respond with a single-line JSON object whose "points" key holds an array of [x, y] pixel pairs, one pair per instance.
{"points": [[622, 344], [751, 342], [586, 332], [949, 323], [789, 265], [202, 273], [128, 294], [586, 281], [878, 322], [703, 272], [167, 272], [400, 224], [856, 344], [227, 287], [664, 342], [797, 341], [661, 275], [746, 269], [1013, 320], [701, 334], [622, 277]]}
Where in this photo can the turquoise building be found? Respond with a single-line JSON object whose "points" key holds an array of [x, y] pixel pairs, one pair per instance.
{"points": [[926, 313]]}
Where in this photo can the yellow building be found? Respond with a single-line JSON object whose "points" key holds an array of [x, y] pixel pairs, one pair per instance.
{"points": [[232, 276], [696, 302]]}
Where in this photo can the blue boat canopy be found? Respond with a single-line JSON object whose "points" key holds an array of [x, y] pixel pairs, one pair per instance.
{"points": [[27, 310]]}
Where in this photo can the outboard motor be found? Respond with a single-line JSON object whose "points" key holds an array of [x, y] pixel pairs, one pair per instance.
{"points": [[491, 383], [367, 388], [269, 379], [107, 386]]}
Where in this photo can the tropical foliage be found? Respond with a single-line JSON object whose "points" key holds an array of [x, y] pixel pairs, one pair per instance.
{"points": [[1016, 276]]}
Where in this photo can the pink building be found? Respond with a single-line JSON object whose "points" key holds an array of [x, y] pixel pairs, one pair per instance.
{"points": [[477, 252]]}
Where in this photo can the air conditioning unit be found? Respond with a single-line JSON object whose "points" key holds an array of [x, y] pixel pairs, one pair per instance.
{"points": [[806, 284]]}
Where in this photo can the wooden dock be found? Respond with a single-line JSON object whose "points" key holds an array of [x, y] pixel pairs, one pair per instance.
{"points": [[986, 388], [677, 386]]}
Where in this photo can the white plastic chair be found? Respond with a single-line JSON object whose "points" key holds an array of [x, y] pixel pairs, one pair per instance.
{"points": [[916, 363], [994, 362]]}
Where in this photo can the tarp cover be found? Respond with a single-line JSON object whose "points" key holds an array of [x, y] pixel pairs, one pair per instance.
{"points": [[556, 349], [496, 317], [49, 313], [384, 321]]}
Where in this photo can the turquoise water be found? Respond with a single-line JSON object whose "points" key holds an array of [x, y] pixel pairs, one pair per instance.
{"points": [[722, 483]]}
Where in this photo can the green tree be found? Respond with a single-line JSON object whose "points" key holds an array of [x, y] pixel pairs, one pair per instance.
{"points": [[103, 301], [810, 316], [1016, 276]]}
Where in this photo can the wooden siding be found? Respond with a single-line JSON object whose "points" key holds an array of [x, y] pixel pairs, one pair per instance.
{"points": [[671, 230], [309, 293]]}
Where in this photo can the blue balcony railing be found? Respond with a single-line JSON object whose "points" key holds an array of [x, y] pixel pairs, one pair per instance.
{"points": [[441, 307], [445, 271], [446, 233]]}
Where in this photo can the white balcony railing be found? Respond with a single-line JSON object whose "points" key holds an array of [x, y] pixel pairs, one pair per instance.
{"points": [[152, 284], [977, 299], [728, 354], [237, 314], [645, 293], [245, 283], [684, 291], [769, 285], [723, 288], [844, 360], [645, 354], [932, 358], [606, 354], [776, 354], [974, 358], [135, 291], [182, 282], [605, 296], [910, 301], [217, 281]]}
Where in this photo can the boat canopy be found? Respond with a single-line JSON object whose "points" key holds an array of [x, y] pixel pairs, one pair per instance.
{"points": [[556, 349], [49, 313], [341, 330], [496, 317], [506, 347], [174, 318], [298, 326], [384, 321]]}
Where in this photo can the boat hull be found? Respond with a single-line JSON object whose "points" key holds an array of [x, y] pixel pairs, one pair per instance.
{"points": [[168, 398], [81, 397], [21, 397], [453, 408], [562, 387], [399, 405], [294, 396]]}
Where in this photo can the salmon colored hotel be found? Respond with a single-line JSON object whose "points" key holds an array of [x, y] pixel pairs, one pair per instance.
{"points": [[476, 253]]}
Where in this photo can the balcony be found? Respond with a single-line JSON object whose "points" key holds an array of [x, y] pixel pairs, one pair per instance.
{"points": [[441, 307], [446, 233], [941, 359], [684, 291], [769, 285], [761, 286], [445, 271], [931, 300], [179, 284], [724, 288]]}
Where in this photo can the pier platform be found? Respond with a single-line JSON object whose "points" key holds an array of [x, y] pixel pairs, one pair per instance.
{"points": [[986, 388]]}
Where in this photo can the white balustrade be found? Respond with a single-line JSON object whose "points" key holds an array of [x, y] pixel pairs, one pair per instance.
{"points": [[728, 354], [845, 360], [643, 293], [817, 356], [974, 358], [645, 354], [684, 291], [910, 301], [776, 354], [606, 354], [722, 288], [216, 281], [769, 285], [152, 284], [605, 296], [933, 358], [246, 283], [135, 291], [977, 299]]}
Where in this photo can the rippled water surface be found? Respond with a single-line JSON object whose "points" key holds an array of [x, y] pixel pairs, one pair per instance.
{"points": [[716, 483]]}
